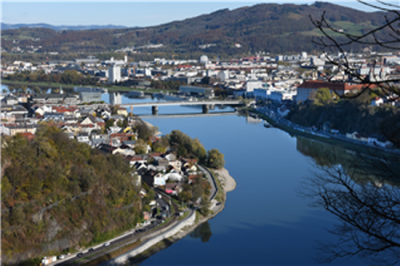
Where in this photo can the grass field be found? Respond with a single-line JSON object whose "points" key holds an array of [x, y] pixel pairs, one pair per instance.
{"points": [[347, 26]]}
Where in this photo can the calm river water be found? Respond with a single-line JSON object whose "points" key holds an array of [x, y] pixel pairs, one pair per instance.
{"points": [[265, 221]]}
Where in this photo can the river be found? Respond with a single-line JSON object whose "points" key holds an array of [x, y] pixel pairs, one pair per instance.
{"points": [[266, 220]]}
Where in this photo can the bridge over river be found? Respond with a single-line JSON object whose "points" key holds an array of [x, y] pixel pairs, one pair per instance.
{"points": [[206, 104], [188, 115]]}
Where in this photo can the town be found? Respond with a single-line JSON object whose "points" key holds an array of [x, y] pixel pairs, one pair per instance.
{"points": [[119, 140], [282, 79]]}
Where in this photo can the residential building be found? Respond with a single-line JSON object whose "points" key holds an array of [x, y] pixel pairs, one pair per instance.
{"points": [[340, 88]]}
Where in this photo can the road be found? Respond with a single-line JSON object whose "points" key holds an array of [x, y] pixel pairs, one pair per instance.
{"points": [[210, 178], [131, 236], [135, 234]]}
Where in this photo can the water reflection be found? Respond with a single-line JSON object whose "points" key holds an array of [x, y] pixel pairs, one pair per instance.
{"points": [[115, 98], [203, 231], [363, 192]]}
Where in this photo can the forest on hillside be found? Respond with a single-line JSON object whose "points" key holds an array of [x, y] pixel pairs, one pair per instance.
{"points": [[275, 28], [58, 194]]}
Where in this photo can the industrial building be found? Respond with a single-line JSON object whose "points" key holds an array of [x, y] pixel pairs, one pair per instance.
{"points": [[114, 74]]}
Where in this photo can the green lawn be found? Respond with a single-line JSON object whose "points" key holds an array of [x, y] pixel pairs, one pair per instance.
{"points": [[347, 26]]}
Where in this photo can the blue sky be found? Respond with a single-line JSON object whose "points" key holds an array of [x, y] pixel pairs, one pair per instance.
{"points": [[127, 13]]}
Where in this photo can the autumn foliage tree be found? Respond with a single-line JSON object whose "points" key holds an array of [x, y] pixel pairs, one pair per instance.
{"points": [[215, 159], [54, 184]]}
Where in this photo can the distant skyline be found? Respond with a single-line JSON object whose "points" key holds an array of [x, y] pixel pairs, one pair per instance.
{"points": [[127, 13]]}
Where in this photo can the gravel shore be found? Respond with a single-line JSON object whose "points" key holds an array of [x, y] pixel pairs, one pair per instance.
{"points": [[227, 181], [158, 133], [228, 184]]}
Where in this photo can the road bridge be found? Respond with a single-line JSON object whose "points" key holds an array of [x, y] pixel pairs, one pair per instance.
{"points": [[206, 104], [188, 115]]}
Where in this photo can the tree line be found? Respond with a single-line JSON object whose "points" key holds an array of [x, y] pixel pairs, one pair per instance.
{"points": [[72, 77]]}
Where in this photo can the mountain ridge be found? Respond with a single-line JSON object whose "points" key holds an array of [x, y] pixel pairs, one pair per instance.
{"points": [[9, 26], [275, 28]]}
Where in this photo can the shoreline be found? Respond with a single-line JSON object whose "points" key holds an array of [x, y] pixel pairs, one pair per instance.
{"points": [[158, 133], [348, 145], [228, 184]]}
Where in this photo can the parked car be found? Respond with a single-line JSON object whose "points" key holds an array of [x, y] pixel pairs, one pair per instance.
{"points": [[106, 244], [62, 256], [91, 249], [79, 255]]}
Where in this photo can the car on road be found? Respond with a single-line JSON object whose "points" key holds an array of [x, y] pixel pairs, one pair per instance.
{"points": [[91, 249], [106, 244], [79, 255], [62, 256]]}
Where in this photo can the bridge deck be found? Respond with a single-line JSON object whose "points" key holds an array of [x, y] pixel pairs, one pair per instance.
{"points": [[181, 103], [188, 115]]}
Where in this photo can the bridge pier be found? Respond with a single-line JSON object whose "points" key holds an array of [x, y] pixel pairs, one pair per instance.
{"points": [[212, 107], [154, 110], [205, 109]]}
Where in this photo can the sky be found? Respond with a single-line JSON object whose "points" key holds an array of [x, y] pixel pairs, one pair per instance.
{"points": [[127, 13]]}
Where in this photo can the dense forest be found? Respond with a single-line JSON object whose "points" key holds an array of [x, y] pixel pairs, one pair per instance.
{"points": [[276, 28], [58, 194]]}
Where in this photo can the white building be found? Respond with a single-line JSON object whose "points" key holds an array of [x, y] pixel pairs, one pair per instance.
{"points": [[203, 59], [114, 74], [223, 75], [253, 84], [377, 101]]}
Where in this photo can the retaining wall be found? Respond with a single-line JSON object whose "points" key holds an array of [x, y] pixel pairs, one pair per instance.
{"points": [[151, 242]]}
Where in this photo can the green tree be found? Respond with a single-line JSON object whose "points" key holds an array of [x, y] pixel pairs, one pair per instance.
{"points": [[145, 132], [140, 147], [109, 123], [159, 147], [205, 205], [215, 159], [71, 77], [323, 96]]}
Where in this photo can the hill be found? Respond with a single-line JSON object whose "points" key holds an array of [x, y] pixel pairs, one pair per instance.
{"points": [[6, 26], [58, 194], [276, 28]]}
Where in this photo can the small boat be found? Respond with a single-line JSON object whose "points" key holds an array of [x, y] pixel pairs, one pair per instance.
{"points": [[266, 124]]}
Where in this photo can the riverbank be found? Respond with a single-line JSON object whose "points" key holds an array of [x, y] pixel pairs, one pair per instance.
{"points": [[158, 133], [112, 88], [346, 144], [228, 184]]}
